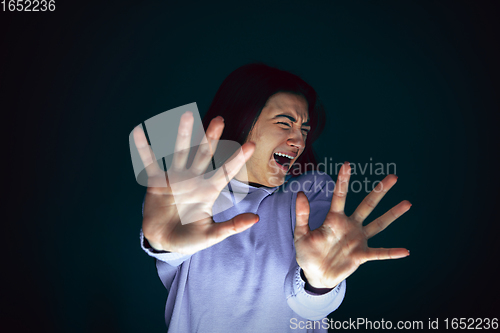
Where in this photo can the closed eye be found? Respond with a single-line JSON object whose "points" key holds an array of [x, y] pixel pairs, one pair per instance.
{"points": [[304, 130]]}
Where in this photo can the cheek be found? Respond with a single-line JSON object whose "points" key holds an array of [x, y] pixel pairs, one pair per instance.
{"points": [[267, 139]]}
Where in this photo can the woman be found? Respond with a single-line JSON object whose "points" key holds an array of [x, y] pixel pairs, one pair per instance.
{"points": [[228, 273]]}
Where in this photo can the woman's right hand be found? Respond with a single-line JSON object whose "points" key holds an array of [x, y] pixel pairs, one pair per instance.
{"points": [[161, 224]]}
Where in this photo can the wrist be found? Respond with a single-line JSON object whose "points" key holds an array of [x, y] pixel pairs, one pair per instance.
{"points": [[314, 285], [151, 247]]}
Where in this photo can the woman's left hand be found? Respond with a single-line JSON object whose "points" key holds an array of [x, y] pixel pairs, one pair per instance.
{"points": [[332, 252]]}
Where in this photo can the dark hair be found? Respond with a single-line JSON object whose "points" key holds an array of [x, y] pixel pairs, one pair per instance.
{"points": [[244, 93]]}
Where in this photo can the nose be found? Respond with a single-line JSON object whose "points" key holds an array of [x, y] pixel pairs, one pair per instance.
{"points": [[296, 139]]}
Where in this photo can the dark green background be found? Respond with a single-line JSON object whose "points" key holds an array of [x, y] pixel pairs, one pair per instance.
{"points": [[409, 82]]}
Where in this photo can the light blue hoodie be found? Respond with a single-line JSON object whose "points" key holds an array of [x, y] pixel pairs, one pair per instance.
{"points": [[250, 282]]}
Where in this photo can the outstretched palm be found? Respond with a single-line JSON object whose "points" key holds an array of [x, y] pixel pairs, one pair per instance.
{"points": [[185, 194], [332, 252]]}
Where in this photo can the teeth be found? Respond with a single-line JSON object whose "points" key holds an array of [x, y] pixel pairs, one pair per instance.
{"points": [[284, 155]]}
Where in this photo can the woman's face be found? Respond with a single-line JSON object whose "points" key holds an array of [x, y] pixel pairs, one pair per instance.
{"points": [[281, 129]]}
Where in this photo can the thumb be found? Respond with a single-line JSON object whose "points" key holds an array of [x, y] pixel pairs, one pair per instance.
{"points": [[301, 216], [233, 226]]}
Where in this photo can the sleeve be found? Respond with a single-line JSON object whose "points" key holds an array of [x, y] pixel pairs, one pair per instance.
{"points": [[309, 306], [318, 188]]}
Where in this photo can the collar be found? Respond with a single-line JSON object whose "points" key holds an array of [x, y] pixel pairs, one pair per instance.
{"points": [[239, 187]]}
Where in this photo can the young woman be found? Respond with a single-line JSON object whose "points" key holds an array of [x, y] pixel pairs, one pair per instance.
{"points": [[228, 273]]}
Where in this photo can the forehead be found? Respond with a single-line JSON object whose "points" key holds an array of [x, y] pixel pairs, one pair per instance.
{"points": [[292, 104]]}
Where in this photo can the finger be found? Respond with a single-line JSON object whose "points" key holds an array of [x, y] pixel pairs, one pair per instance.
{"points": [[383, 254], [183, 141], [239, 223], [383, 221], [208, 146], [371, 200], [340, 191], [147, 156], [301, 216], [231, 168]]}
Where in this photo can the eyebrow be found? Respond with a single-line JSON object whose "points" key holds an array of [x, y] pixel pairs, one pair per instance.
{"points": [[292, 119]]}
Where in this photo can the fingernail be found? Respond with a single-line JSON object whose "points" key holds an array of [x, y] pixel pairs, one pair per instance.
{"points": [[247, 153], [408, 252], [220, 117]]}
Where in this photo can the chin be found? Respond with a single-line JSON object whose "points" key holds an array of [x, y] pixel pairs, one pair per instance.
{"points": [[275, 181]]}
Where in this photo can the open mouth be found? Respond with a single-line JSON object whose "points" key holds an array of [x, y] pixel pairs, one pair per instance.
{"points": [[283, 160]]}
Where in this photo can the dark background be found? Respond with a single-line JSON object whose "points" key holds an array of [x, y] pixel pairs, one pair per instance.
{"points": [[409, 82]]}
